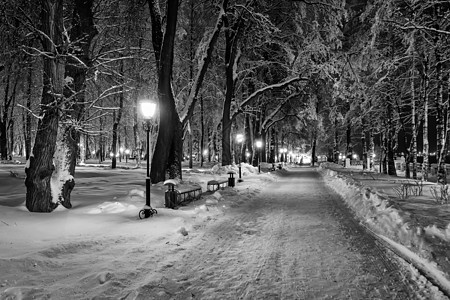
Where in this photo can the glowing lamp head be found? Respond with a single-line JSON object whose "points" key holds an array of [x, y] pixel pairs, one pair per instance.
{"points": [[148, 109], [258, 144], [239, 138]]}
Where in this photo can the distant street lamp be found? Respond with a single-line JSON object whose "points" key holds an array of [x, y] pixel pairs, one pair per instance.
{"points": [[127, 154], [259, 146], [121, 153], [239, 139], [148, 109]]}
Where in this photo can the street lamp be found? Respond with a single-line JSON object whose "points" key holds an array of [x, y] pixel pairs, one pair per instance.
{"points": [[148, 109], [240, 139], [127, 154], [259, 145], [121, 153]]}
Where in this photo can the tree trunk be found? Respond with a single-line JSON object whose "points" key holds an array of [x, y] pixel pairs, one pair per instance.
{"points": [[349, 149], [249, 141], [440, 115], [114, 145], [364, 146], [231, 59], [27, 116], [336, 142], [82, 33], [313, 152], [39, 171], [263, 149], [371, 150], [168, 150], [256, 134], [202, 132], [425, 121], [190, 146], [4, 117]]}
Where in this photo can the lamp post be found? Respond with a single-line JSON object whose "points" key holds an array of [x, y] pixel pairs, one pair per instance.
{"points": [[148, 109], [259, 145], [239, 139]]}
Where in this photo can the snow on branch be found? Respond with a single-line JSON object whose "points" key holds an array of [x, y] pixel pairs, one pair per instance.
{"points": [[29, 111], [320, 3], [255, 94], [418, 27], [277, 109]]}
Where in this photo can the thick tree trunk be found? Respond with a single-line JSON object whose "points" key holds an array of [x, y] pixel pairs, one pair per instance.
{"points": [[229, 94], [231, 59], [168, 150], [40, 168], [82, 33]]}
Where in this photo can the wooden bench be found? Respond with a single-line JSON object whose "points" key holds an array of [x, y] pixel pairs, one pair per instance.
{"points": [[214, 185]]}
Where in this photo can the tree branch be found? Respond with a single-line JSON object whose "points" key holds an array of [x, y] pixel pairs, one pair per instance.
{"points": [[265, 89]]}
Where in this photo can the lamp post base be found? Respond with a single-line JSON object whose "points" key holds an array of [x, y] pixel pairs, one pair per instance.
{"points": [[147, 212]]}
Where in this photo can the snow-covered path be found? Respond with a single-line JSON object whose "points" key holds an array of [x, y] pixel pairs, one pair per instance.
{"points": [[295, 240]]}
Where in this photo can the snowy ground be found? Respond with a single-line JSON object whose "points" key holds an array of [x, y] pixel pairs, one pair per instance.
{"points": [[101, 237]]}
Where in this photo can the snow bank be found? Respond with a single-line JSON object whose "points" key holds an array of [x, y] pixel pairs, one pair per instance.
{"points": [[382, 215], [374, 209]]}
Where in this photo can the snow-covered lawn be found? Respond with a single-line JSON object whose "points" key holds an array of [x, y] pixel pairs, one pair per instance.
{"points": [[104, 215], [104, 219]]}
